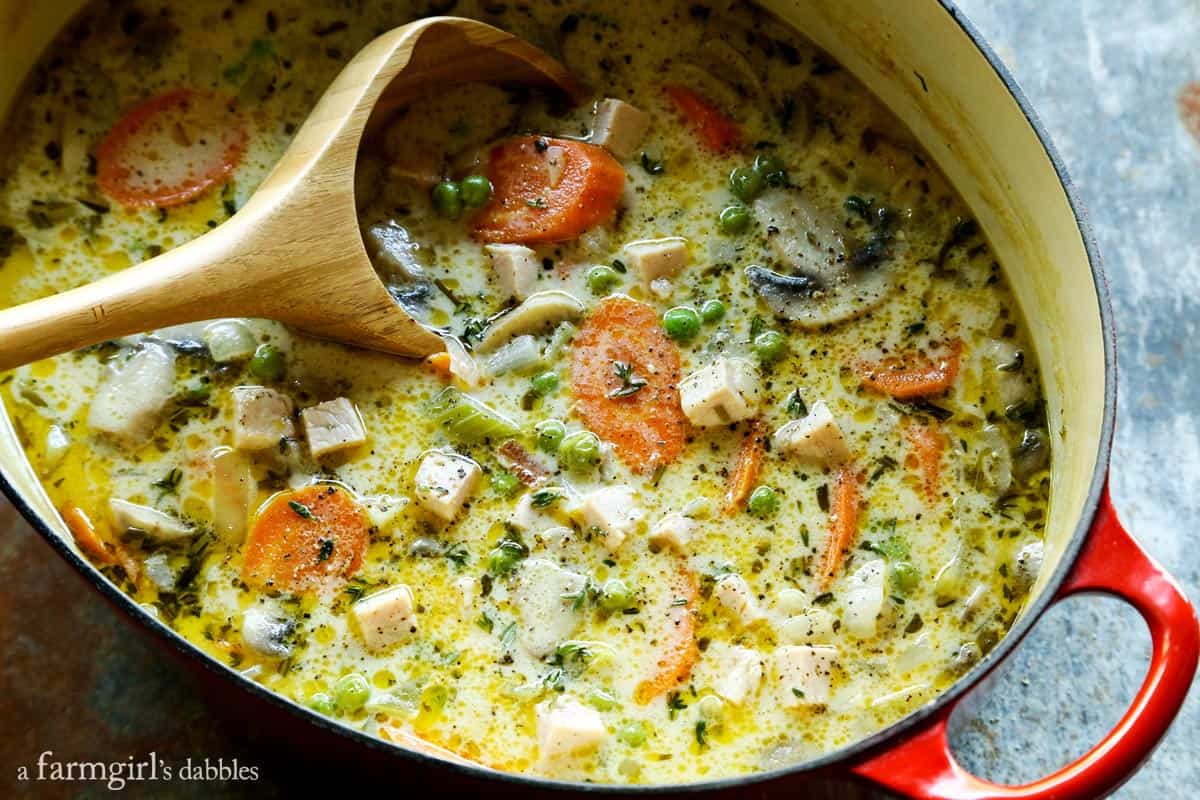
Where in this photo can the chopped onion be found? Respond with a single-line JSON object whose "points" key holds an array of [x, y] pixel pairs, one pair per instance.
{"points": [[234, 492], [57, 445], [462, 365], [519, 354], [229, 341]]}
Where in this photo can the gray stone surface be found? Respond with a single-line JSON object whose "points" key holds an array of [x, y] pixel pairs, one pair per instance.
{"points": [[1104, 77]]}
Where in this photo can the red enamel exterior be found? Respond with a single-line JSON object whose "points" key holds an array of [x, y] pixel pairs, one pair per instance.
{"points": [[1111, 562]]}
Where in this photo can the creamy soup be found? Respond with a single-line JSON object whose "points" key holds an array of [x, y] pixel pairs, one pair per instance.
{"points": [[736, 453]]}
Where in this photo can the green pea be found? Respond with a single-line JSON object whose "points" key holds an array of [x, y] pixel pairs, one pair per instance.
{"points": [[632, 734], [734, 219], [682, 323], [476, 190], [320, 703], [615, 595], [550, 433], [712, 311], [763, 502], [580, 451], [504, 483], [447, 199], [504, 557], [601, 279], [771, 168], [196, 390], [545, 383], [770, 346], [268, 363], [746, 183], [351, 692], [905, 576]]}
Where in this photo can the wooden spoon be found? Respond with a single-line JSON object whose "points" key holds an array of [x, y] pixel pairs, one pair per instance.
{"points": [[294, 252]]}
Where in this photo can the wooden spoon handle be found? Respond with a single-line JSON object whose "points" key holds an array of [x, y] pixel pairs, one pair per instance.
{"points": [[294, 252], [186, 284]]}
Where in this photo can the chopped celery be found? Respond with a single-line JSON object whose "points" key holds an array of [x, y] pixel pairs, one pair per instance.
{"points": [[467, 419], [602, 700]]}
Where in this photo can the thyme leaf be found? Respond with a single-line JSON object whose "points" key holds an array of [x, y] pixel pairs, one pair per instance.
{"points": [[630, 383], [300, 509]]}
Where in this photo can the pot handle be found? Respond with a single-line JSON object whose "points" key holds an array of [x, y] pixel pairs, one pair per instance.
{"points": [[1111, 562]]}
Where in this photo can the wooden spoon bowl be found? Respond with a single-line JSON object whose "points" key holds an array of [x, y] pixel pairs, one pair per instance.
{"points": [[294, 252]]}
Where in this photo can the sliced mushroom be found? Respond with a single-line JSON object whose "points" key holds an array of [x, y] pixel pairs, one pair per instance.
{"points": [[828, 279], [540, 310], [778, 289], [394, 252], [1033, 453], [401, 263], [152, 522], [268, 632], [187, 338]]}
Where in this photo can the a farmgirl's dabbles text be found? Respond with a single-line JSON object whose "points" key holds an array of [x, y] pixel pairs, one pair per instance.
{"points": [[737, 453]]}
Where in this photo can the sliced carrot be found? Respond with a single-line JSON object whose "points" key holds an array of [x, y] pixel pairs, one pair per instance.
{"points": [[745, 469], [439, 364], [306, 539], [679, 649], [105, 553], [928, 444], [646, 426], [907, 378], [522, 464], [843, 522], [170, 149], [84, 531], [718, 132], [548, 190], [412, 741]]}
